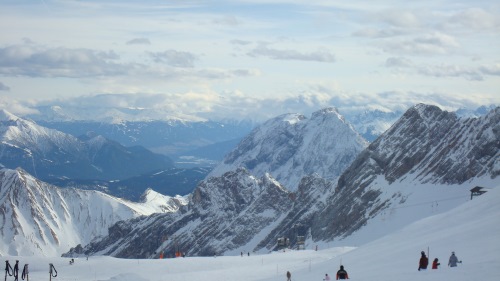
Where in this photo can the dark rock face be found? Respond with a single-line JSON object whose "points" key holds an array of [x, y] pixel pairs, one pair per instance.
{"points": [[225, 213], [436, 146], [236, 210], [429, 144]]}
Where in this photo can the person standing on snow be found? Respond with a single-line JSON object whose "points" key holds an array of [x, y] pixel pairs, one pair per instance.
{"points": [[288, 276], [435, 263], [342, 274], [453, 260], [424, 262], [327, 278]]}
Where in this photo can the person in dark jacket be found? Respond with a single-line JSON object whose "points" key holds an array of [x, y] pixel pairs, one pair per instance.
{"points": [[435, 263], [288, 276], [342, 274], [424, 262]]}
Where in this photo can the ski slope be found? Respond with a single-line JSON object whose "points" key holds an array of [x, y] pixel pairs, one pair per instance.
{"points": [[472, 230]]}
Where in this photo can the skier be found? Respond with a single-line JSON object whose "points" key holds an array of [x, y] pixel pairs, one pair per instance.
{"points": [[435, 263], [16, 271], [422, 265], [453, 260], [288, 276], [327, 278], [342, 274]]}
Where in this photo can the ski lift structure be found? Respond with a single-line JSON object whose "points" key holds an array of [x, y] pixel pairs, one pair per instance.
{"points": [[301, 242], [476, 191], [283, 243]]}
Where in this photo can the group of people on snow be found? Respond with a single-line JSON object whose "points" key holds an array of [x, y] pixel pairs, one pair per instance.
{"points": [[424, 261], [422, 265]]}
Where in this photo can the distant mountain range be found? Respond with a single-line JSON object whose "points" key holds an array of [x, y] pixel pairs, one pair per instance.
{"points": [[425, 163], [91, 161], [191, 141], [51, 154]]}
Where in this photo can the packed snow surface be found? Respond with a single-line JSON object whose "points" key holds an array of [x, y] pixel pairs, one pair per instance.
{"points": [[471, 230]]}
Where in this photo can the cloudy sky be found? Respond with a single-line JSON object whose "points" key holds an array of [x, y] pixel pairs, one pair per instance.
{"points": [[249, 57]]}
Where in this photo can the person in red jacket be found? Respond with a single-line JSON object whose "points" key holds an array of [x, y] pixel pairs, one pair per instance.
{"points": [[342, 274], [435, 263], [423, 263]]}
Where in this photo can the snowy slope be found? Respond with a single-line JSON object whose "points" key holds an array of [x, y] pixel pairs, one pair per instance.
{"points": [[40, 219], [292, 146], [471, 230]]}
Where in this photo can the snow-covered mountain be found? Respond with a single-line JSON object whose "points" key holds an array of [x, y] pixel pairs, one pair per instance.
{"points": [[428, 156], [292, 146], [223, 213], [48, 153], [471, 230], [37, 218], [424, 165]]}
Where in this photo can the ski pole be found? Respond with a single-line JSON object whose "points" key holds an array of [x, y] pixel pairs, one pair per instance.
{"points": [[15, 272], [25, 273], [52, 269], [8, 270]]}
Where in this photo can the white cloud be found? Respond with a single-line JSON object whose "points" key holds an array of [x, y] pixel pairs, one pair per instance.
{"points": [[435, 43], [16, 107], [263, 50], [398, 62], [474, 19], [32, 60], [398, 18], [473, 73], [174, 58], [227, 20], [139, 41], [379, 33], [37, 61]]}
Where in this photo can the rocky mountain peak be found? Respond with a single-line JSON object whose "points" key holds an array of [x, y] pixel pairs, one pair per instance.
{"points": [[328, 111], [291, 146]]}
